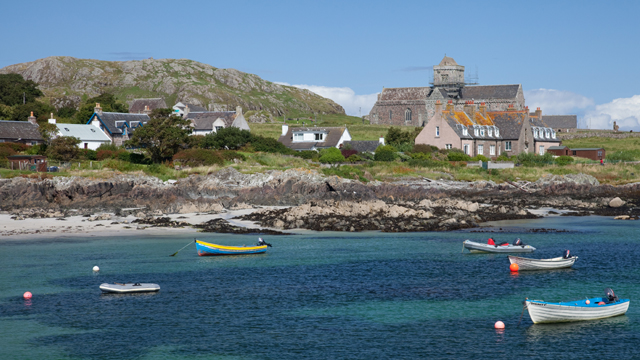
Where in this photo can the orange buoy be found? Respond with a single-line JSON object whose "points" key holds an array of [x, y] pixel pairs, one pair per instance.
{"points": [[499, 325], [587, 302], [601, 303], [514, 267], [27, 295]]}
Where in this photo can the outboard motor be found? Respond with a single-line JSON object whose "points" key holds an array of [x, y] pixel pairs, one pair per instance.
{"points": [[517, 242], [262, 242], [566, 254], [611, 296]]}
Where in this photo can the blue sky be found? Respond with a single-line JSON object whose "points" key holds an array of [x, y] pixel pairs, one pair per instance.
{"points": [[573, 57]]}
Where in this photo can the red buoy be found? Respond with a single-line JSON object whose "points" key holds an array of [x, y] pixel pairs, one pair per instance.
{"points": [[514, 267], [27, 295], [499, 325]]}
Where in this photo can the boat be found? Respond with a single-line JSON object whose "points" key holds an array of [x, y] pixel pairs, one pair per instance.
{"points": [[578, 310], [474, 247], [543, 264], [208, 249], [124, 288]]}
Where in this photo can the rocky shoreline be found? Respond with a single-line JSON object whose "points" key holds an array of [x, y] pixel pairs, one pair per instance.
{"points": [[316, 202]]}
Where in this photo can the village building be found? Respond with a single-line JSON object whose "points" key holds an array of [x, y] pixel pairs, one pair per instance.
{"points": [[183, 110], [416, 105], [28, 162], [363, 146], [117, 126], [207, 122], [146, 106], [544, 136], [24, 132], [561, 123], [589, 153], [90, 136], [313, 138]]}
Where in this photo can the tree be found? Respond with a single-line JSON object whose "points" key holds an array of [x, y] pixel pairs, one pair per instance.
{"points": [[395, 136], [385, 153], [331, 156], [48, 131], [230, 138], [14, 90], [41, 111], [160, 113], [161, 138], [64, 148], [107, 102]]}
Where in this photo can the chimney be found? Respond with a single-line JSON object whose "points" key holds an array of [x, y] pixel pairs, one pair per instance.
{"points": [[52, 120], [438, 108], [539, 113], [32, 119], [146, 110], [186, 111], [381, 140], [285, 129], [511, 108], [450, 107], [238, 110], [483, 109], [98, 109], [470, 109]]}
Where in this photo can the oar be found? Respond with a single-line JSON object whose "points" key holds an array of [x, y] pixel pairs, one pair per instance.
{"points": [[524, 306], [176, 253]]}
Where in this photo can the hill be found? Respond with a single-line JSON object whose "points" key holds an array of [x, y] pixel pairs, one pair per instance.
{"points": [[66, 81]]}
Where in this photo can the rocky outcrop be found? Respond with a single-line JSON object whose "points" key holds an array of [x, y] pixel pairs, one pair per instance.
{"points": [[64, 80]]}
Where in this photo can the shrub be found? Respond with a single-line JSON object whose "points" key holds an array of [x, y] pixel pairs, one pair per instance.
{"points": [[348, 152], [307, 154], [385, 153], [366, 156], [104, 154], [6, 151], [269, 145], [230, 138], [354, 158], [421, 156], [230, 155], [108, 146], [532, 159], [624, 155], [124, 156], [427, 163], [404, 147], [502, 157], [198, 157], [88, 154], [479, 158], [136, 158], [16, 147], [423, 148], [331, 156], [458, 156], [564, 160]]}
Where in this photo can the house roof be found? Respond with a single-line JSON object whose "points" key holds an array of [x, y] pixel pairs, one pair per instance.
{"points": [[83, 132], [14, 130], [192, 107], [447, 61], [123, 120], [509, 122], [585, 149], [204, 120], [561, 121], [331, 140], [410, 93], [138, 105], [490, 92], [240, 122], [363, 145], [558, 147]]}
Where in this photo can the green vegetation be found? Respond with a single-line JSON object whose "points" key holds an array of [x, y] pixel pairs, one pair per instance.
{"points": [[331, 156]]}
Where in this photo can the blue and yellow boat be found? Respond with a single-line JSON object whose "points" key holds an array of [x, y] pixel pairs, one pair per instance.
{"points": [[208, 249]]}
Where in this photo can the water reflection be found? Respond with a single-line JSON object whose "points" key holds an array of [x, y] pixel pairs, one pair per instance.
{"points": [[538, 332]]}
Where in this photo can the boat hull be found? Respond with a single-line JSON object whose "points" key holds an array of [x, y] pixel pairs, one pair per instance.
{"points": [[473, 246], [545, 312], [208, 249], [127, 288], [542, 264]]}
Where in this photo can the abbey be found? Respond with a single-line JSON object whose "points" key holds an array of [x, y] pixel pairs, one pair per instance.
{"points": [[415, 106]]}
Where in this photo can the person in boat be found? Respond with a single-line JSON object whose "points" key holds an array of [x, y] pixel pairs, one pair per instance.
{"points": [[261, 242], [517, 241], [566, 254], [610, 295]]}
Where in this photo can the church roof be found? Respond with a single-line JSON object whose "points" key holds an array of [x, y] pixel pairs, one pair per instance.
{"points": [[561, 121], [490, 92], [410, 93], [154, 103], [447, 61]]}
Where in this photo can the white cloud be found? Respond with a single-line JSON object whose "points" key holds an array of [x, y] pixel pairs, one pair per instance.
{"points": [[353, 104], [624, 111], [557, 102]]}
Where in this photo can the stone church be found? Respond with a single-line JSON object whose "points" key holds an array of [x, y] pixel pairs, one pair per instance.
{"points": [[416, 105]]}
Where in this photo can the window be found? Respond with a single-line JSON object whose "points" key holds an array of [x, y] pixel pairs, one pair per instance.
{"points": [[480, 149], [296, 136], [466, 149], [407, 115], [437, 130], [389, 114], [448, 146], [464, 131], [497, 132], [546, 133], [492, 149], [489, 132], [553, 134], [475, 131], [541, 151], [319, 136], [507, 146], [498, 150], [574, 153], [218, 128], [599, 153], [535, 133], [481, 132]]}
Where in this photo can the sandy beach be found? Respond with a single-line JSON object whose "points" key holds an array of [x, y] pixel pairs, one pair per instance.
{"points": [[115, 226]]}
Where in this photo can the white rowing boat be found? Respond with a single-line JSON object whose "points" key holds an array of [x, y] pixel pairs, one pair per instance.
{"points": [[542, 264], [125, 288], [579, 310], [473, 247]]}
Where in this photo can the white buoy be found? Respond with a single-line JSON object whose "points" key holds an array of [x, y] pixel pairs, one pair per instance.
{"points": [[96, 268]]}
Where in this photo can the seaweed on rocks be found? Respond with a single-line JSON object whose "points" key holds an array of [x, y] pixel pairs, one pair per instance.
{"points": [[223, 226]]}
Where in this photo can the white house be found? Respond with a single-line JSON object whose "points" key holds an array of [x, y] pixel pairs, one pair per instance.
{"points": [[313, 138], [91, 137], [207, 122]]}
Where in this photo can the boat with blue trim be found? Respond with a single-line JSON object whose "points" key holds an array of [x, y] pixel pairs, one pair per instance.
{"points": [[209, 249], [578, 310]]}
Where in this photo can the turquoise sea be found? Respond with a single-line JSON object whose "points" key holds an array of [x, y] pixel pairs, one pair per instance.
{"points": [[317, 296]]}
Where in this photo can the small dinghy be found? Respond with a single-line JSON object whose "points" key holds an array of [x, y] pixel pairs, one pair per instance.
{"points": [[579, 310], [208, 249], [124, 288], [543, 264], [492, 247]]}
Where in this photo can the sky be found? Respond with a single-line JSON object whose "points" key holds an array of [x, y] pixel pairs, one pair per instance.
{"points": [[571, 57]]}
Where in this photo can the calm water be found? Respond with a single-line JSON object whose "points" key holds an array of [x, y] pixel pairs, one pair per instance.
{"points": [[316, 296]]}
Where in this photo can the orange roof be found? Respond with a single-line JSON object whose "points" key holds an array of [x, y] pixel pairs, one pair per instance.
{"points": [[462, 118], [481, 120]]}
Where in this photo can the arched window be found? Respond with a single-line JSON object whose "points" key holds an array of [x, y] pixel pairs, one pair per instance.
{"points": [[407, 115]]}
